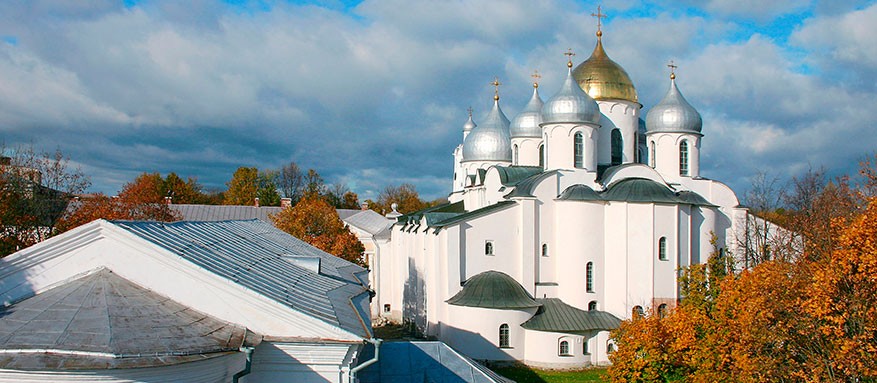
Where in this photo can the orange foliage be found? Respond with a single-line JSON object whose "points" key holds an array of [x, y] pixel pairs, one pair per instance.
{"points": [[316, 222]]}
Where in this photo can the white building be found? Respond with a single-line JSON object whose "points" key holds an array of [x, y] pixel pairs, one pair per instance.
{"points": [[574, 215], [220, 301]]}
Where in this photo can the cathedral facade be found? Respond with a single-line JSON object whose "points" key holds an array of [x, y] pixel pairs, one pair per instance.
{"points": [[570, 217]]}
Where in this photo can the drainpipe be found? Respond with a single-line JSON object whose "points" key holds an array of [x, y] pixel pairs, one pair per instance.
{"points": [[352, 374], [249, 353]]}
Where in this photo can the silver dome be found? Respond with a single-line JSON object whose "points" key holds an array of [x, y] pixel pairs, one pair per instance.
{"points": [[526, 123], [673, 114], [490, 141], [571, 104], [469, 125]]}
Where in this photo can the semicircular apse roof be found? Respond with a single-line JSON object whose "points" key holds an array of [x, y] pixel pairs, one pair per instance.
{"points": [[493, 290]]}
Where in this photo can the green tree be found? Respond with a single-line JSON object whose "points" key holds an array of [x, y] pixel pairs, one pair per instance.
{"points": [[404, 196], [243, 187]]}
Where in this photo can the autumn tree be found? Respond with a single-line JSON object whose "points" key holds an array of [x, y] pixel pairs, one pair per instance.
{"points": [[316, 222], [404, 196], [34, 191], [247, 184], [183, 191], [314, 184]]}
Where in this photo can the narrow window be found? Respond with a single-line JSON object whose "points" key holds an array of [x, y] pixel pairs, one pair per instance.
{"points": [[544, 249], [504, 336], [638, 312], [585, 347], [662, 310], [652, 154], [564, 348], [589, 277], [578, 150], [488, 247], [610, 348], [515, 152], [592, 305], [683, 158], [542, 155], [662, 249], [387, 308], [617, 147]]}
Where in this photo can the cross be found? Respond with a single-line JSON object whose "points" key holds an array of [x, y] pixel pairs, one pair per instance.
{"points": [[672, 67], [570, 55], [599, 15], [496, 85], [470, 111], [536, 76]]}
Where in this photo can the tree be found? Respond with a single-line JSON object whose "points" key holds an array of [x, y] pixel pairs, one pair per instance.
{"points": [[291, 182], [316, 222], [314, 184], [404, 196], [183, 192], [34, 191], [247, 184], [340, 196]]}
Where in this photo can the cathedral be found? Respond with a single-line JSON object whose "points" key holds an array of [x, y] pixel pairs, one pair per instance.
{"points": [[572, 216]]}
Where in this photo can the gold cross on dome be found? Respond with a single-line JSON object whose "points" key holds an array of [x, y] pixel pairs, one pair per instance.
{"points": [[569, 54], [496, 85], [672, 67], [600, 16], [536, 76]]}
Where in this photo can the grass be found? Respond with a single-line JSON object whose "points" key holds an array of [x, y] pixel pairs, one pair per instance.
{"points": [[523, 374]]}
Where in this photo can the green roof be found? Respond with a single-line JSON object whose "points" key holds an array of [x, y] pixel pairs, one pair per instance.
{"points": [[493, 290], [579, 192], [524, 188], [474, 213], [556, 316], [692, 198], [511, 175], [640, 190]]}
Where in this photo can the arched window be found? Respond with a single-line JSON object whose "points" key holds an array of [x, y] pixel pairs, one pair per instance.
{"points": [[592, 305], [578, 150], [662, 249], [515, 155], [652, 154], [638, 312], [662, 310], [617, 147], [542, 155], [504, 335], [544, 249], [589, 277], [683, 158], [488, 247], [564, 348]]}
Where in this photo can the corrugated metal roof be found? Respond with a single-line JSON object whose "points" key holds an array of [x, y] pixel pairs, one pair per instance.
{"points": [[423, 362], [370, 221], [494, 290], [579, 192], [474, 213], [511, 175], [524, 188], [252, 254], [557, 316], [113, 319], [640, 190], [224, 212]]}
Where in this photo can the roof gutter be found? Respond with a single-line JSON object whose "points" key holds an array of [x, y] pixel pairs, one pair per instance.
{"points": [[248, 351], [352, 374]]}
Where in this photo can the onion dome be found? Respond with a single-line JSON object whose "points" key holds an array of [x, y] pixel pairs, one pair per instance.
{"points": [[570, 104], [469, 125], [493, 290], [673, 113], [489, 141], [603, 78], [526, 123]]}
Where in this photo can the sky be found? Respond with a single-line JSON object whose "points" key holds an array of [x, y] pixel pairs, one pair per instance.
{"points": [[375, 93]]}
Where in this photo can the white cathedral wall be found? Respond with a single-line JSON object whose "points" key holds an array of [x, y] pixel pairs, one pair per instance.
{"points": [[543, 350], [474, 331], [528, 151], [559, 147], [667, 154], [499, 228], [580, 234], [623, 115]]}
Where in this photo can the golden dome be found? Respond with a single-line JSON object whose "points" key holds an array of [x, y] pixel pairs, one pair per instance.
{"points": [[603, 78]]}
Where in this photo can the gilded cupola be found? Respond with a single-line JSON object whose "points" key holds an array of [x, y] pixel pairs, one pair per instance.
{"points": [[602, 78]]}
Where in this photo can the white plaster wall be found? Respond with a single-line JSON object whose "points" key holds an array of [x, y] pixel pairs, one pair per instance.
{"points": [[528, 150], [642, 219], [499, 228], [667, 154], [623, 115], [580, 235], [300, 362], [559, 147], [616, 263], [543, 350], [475, 332]]}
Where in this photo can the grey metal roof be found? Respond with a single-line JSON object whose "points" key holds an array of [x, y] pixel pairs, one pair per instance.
{"points": [[370, 221], [570, 105], [474, 213], [511, 175], [640, 190], [490, 141], [494, 290], [223, 212], [673, 114], [253, 254], [423, 362], [557, 316], [526, 123], [524, 188], [579, 192], [114, 320]]}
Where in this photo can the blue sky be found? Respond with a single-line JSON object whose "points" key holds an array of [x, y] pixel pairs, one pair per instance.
{"points": [[374, 93]]}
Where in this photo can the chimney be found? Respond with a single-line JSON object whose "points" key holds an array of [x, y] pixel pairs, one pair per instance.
{"points": [[285, 203], [257, 201], [364, 206], [167, 200]]}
